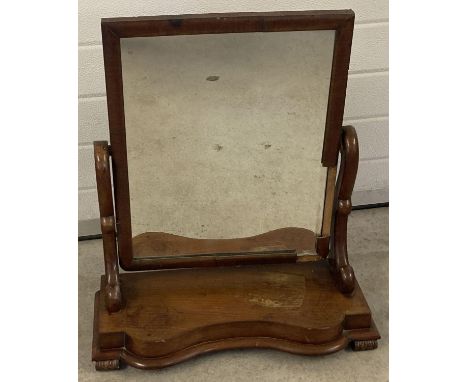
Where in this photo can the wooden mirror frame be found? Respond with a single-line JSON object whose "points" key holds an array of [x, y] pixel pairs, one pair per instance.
{"points": [[342, 22]]}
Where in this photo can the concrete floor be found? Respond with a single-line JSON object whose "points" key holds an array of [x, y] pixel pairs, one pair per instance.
{"points": [[368, 253]]}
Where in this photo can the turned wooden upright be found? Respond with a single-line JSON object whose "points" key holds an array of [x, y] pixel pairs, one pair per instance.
{"points": [[102, 163], [338, 257]]}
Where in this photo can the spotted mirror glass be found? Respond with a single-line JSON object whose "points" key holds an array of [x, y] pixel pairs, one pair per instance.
{"points": [[224, 132]]}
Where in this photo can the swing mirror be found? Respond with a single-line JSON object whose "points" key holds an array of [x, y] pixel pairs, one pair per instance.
{"points": [[221, 135]]}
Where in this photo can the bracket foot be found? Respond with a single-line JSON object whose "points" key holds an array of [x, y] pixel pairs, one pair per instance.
{"points": [[112, 364], [361, 345]]}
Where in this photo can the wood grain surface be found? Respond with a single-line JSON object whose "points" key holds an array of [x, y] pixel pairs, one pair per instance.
{"points": [[168, 312]]}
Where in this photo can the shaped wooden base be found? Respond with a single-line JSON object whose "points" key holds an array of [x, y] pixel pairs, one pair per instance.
{"points": [[172, 315]]}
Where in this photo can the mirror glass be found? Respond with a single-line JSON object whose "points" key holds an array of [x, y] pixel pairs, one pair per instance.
{"points": [[224, 132]]}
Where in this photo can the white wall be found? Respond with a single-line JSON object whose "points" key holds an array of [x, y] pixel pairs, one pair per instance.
{"points": [[366, 103]]}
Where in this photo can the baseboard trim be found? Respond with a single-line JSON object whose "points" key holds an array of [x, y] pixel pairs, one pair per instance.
{"points": [[89, 229], [369, 197], [369, 206], [90, 237]]}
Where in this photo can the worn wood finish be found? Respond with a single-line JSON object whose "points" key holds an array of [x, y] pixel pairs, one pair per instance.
{"points": [[170, 316], [102, 163], [163, 250], [165, 244], [338, 259], [113, 30]]}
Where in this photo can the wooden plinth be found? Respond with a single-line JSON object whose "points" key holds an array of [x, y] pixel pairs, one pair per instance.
{"points": [[172, 315]]}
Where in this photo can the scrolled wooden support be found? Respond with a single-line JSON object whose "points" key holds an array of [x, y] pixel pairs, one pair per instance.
{"points": [[113, 295], [338, 259]]}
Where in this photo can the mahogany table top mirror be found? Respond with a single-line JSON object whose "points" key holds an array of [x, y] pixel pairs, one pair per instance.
{"points": [[232, 178]]}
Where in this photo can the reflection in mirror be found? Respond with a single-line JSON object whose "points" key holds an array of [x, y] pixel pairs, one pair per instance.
{"points": [[224, 132]]}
